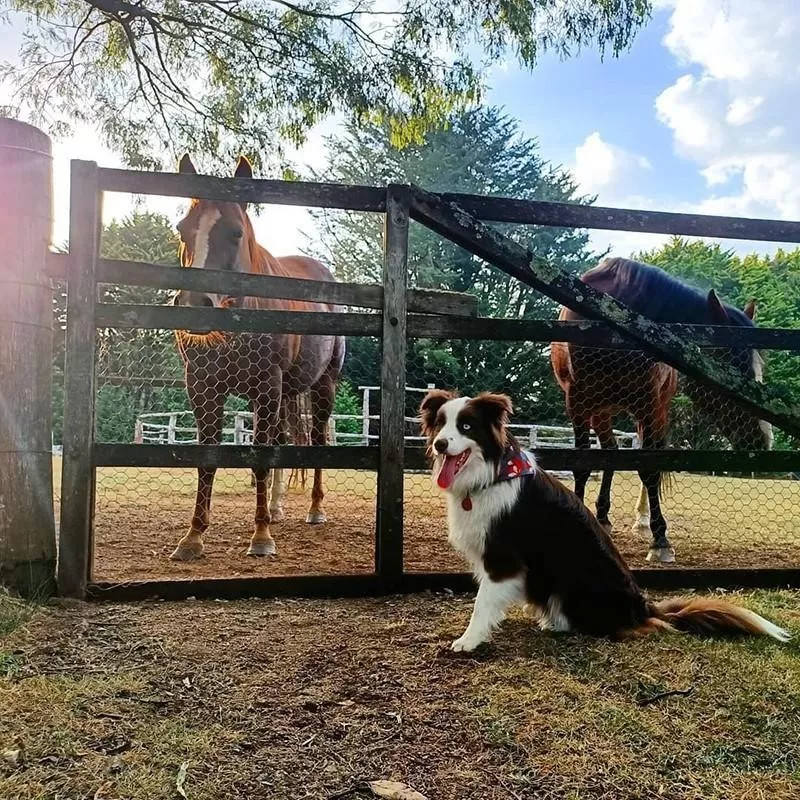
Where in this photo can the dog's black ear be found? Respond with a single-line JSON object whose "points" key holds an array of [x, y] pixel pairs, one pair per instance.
{"points": [[496, 410], [429, 408]]}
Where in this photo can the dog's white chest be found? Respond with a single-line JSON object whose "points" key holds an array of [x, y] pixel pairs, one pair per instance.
{"points": [[468, 528]]}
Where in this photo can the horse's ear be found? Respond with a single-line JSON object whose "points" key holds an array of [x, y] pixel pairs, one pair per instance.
{"points": [[750, 309], [716, 309], [243, 168], [429, 408], [185, 166]]}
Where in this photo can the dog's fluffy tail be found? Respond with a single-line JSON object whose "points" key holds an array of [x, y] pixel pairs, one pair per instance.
{"points": [[710, 615]]}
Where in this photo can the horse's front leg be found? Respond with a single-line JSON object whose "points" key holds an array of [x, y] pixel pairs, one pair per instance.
{"points": [[583, 436], [277, 477], [266, 424], [277, 484], [661, 549], [322, 398], [642, 523], [208, 415], [605, 433]]}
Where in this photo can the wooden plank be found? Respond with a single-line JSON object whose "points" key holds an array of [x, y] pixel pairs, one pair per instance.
{"points": [[236, 320], [451, 221], [233, 456], [245, 190], [389, 538], [77, 472], [587, 333], [570, 215], [593, 334], [630, 459], [243, 284], [366, 585]]}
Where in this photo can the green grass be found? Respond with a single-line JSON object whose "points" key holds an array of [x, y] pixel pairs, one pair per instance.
{"points": [[13, 612], [574, 714]]}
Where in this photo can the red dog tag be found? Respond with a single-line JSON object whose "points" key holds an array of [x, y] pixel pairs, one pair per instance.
{"points": [[466, 503]]}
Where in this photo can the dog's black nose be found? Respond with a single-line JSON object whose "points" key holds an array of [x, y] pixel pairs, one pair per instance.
{"points": [[440, 445]]}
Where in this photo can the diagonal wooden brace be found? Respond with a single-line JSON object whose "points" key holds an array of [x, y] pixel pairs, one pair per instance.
{"points": [[448, 219]]}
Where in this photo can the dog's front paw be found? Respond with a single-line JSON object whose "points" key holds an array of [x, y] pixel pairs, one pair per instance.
{"points": [[466, 644]]}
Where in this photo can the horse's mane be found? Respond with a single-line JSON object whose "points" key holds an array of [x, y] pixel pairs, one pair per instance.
{"points": [[654, 293], [261, 260]]}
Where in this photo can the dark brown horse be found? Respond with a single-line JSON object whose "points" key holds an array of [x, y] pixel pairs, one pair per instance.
{"points": [[601, 383], [272, 371]]}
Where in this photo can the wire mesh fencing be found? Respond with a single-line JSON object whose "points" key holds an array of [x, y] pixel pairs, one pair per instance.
{"points": [[568, 396], [159, 388]]}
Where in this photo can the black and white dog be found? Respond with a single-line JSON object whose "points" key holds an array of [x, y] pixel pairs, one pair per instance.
{"points": [[530, 541]]}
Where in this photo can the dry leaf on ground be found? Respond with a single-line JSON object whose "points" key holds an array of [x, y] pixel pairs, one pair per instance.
{"points": [[393, 790]]}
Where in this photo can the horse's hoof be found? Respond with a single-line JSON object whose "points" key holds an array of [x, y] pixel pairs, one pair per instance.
{"points": [[263, 548], [642, 528], [276, 516], [662, 555], [316, 518], [187, 552]]}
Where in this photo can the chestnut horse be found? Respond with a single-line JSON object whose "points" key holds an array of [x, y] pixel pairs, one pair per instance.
{"points": [[272, 371], [601, 383]]}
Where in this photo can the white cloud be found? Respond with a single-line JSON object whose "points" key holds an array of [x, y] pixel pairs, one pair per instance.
{"points": [[735, 111], [603, 168], [742, 110]]}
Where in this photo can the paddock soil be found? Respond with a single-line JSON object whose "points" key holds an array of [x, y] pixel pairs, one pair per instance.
{"points": [[290, 700], [141, 514]]}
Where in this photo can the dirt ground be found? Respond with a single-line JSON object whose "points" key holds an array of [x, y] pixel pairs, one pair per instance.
{"points": [[288, 700], [141, 514]]}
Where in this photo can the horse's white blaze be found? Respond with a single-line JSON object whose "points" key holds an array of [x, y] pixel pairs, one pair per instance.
{"points": [[758, 366], [758, 371], [203, 235]]}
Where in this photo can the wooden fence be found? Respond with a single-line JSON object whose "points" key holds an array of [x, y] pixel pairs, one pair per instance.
{"points": [[403, 313]]}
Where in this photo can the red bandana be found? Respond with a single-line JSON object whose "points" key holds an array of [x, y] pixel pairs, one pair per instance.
{"points": [[513, 464]]}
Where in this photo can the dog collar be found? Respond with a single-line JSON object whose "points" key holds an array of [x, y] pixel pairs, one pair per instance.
{"points": [[513, 464]]}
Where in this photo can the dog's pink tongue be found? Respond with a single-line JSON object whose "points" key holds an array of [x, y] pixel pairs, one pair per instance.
{"points": [[447, 473]]}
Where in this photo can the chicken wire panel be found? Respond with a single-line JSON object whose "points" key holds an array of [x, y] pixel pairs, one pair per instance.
{"points": [[154, 387], [621, 398]]}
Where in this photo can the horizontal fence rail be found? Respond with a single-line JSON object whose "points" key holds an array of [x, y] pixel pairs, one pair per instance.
{"points": [[491, 209], [240, 320], [244, 284], [571, 215], [426, 326], [339, 196], [411, 583], [415, 458], [234, 456]]}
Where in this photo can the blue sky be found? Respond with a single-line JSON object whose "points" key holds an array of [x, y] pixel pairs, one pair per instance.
{"points": [[700, 115]]}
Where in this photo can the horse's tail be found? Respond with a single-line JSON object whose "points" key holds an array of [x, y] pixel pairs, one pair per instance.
{"points": [[709, 615], [562, 364], [666, 484], [296, 404]]}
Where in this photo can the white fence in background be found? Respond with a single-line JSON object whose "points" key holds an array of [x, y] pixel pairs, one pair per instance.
{"points": [[176, 427]]}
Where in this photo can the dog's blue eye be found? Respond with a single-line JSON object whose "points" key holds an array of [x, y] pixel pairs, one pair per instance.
{"points": [[465, 426]]}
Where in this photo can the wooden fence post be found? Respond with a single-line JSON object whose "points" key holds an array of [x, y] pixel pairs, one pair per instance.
{"points": [[27, 524], [389, 540], [78, 474]]}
